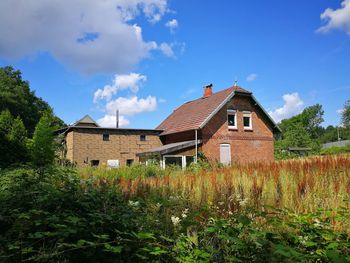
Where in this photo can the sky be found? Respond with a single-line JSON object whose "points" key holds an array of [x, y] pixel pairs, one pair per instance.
{"points": [[147, 57]]}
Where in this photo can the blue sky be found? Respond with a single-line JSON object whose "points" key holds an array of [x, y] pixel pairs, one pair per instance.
{"points": [[147, 57]]}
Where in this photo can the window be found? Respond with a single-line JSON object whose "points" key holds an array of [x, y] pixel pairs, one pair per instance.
{"points": [[232, 119], [129, 162], [142, 138], [106, 137], [95, 162], [247, 120]]}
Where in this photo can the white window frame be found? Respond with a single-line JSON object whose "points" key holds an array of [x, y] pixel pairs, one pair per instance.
{"points": [[248, 114], [183, 160], [232, 112]]}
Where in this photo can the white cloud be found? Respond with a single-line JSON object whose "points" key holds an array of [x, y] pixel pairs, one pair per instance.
{"points": [[340, 111], [293, 105], [336, 19], [110, 121], [172, 25], [251, 77], [91, 36], [131, 106], [130, 81], [167, 50], [161, 100]]}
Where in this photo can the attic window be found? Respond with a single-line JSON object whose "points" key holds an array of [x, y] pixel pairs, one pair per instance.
{"points": [[232, 119], [247, 120]]}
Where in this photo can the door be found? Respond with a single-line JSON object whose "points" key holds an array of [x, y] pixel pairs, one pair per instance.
{"points": [[225, 154]]}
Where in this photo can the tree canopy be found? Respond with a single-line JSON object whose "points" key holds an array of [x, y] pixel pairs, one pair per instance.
{"points": [[17, 98], [346, 114]]}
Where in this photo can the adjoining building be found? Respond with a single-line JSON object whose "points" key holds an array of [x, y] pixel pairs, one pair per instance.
{"points": [[86, 143], [228, 126]]}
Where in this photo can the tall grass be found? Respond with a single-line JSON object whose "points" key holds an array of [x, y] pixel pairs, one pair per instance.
{"points": [[301, 185]]}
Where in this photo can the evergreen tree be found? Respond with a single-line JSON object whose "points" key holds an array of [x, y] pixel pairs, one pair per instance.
{"points": [[43, 144]]}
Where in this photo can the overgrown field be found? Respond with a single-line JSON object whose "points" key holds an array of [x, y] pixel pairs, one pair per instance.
{"points": [[288, 211]]}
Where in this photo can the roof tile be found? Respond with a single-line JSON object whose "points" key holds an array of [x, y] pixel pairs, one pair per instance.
{"points": [[192, 114]]}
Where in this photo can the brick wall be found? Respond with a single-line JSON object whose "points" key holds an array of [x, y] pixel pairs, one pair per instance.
{"points": [[246, 146], [87, 144]]}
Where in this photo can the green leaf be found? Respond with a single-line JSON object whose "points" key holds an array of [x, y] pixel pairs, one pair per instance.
{"points": [[113, 249], [144, 235]]}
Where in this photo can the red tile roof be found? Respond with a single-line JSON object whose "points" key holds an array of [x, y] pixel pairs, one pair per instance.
{"points": [[191, 115]]}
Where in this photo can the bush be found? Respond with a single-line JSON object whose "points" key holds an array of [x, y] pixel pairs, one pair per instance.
{"points": [[336, 150]]}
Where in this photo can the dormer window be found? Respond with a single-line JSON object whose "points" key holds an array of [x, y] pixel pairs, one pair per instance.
{"points": [[247, 120], [232, 119]]}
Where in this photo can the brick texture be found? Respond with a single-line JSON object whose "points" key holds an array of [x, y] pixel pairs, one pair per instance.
{"points": [[246, 145], [84, 145]]}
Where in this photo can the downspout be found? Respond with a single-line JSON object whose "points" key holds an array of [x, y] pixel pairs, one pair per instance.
{"points": [[196, 141]]}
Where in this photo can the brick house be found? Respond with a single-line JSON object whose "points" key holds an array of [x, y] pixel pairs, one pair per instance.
{"points": [[86, 143], [228, 126]]}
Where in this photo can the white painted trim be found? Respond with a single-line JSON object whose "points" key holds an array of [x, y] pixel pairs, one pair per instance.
{"points": [[216, 110]]}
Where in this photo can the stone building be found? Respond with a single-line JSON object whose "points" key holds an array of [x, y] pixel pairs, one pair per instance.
{"points": [[228, 126], [86, 143]]}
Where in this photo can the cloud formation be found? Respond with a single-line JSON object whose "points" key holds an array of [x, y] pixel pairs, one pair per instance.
{"points": [[293, 105], [90, 36], [127, 106], [111, 122], [336, 19], [251, 77], [130, 81], [132, 105], [172, 25], [167, 50]]}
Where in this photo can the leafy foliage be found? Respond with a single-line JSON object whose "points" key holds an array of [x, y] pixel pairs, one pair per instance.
{"points": [[43, 144], [13, 139], [346, 114], [19, 100], [57, 217]]}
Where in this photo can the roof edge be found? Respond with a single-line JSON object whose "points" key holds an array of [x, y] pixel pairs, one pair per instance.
{"points": [[250, 94]]}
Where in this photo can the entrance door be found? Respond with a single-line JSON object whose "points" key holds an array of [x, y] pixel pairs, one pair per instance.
{"points": [[225, 154]]}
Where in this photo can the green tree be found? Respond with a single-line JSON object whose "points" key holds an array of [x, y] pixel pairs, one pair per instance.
{"points": [[19, 100], [13, 140], [43, 145], [345, 118]]}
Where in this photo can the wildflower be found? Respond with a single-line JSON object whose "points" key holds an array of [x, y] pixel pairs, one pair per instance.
{"points": [[184, 213], [243, 202], [134, 204], [176, 220]]}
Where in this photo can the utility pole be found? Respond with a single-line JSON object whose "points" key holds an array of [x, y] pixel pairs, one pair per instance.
{"points": [[338, 133], [117, 119]]}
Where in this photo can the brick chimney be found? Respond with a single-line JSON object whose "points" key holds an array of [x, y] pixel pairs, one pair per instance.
{"points": [[208, 90]]}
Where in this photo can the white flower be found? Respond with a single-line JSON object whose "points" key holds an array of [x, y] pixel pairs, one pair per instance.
{"points": [[243, 202], [134, 204], [176, 220]]}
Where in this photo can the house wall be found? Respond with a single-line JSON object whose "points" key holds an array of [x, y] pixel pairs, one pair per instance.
{"points": [[84, 145], [246, 146], [178, 137]]}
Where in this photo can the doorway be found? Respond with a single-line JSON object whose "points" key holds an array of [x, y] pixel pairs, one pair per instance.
{"points": [[225, 154]]}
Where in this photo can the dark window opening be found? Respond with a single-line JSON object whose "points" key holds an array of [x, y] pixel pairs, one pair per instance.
{"points": [[95, 162], [246, 121], [142, 138], [129, 162], [189, 160], [231, 120], [106, 137], [173, 160]]}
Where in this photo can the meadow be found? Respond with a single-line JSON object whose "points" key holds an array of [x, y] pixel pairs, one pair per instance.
{"points": [[288, 211]]}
